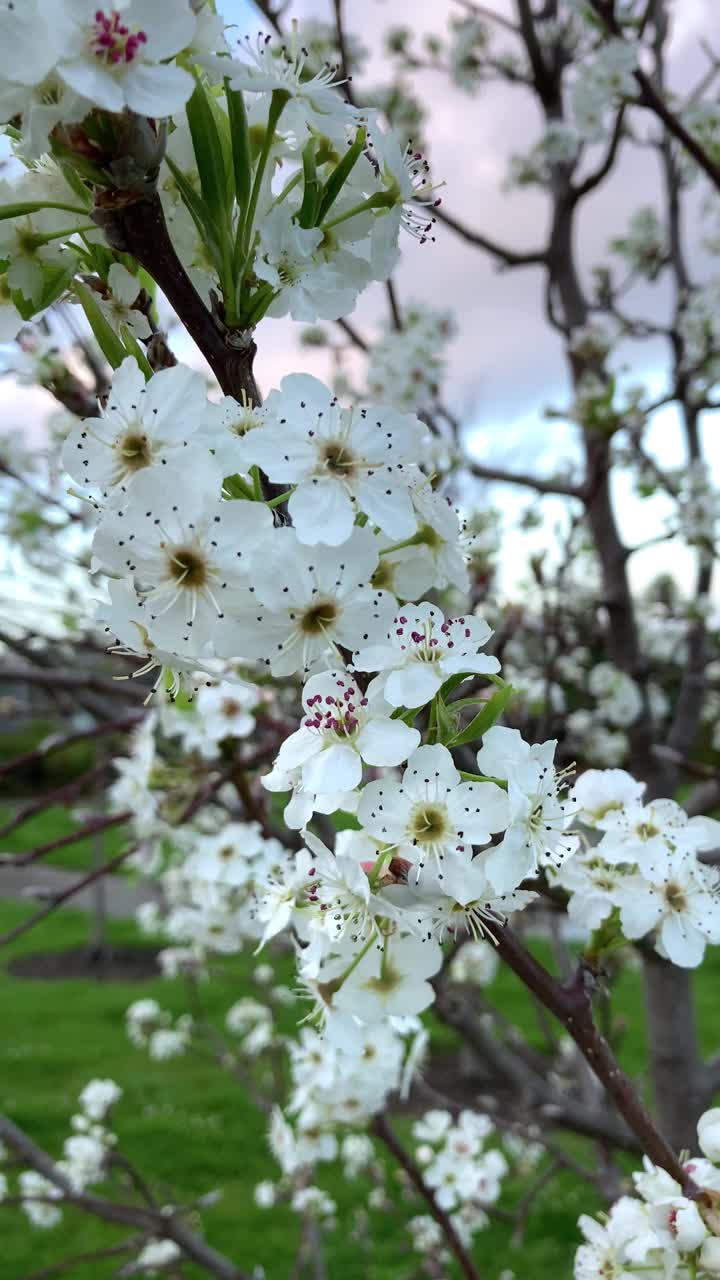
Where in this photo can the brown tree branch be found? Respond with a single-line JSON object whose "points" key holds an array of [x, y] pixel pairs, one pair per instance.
{"points": [[92, 828], [486, 472], [508, 257], [571, 1004], [166, 1225], [136, 225], [59, 898], [382, 1130], [651, 98], [131, 1245], [58, 742]]}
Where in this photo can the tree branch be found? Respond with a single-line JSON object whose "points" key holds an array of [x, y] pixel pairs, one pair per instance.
{"points": [[167, 1225], [509, 257], [382, 1130], [485, 472], [653, 100], [136, 225], [571, 1004]]}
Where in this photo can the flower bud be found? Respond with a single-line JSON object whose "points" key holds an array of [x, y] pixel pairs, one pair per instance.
{"points": [[709, 1133], [689, 1228], [710, 1256]]}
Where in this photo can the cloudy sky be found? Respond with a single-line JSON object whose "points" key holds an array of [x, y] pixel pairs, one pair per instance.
{"points": [[505, 363]]}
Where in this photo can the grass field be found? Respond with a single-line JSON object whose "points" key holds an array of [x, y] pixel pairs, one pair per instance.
{"points": [[191, 1126], [51, 825]]}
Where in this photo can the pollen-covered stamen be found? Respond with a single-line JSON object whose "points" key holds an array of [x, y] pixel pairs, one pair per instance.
{"points": [[319, 617], [429, 824], [187, 566], [339, 714], [287, 63], [247, 416], [134, 450], [337, 457], [476, 917], [112, 41], [675, 897], [416, 221], [426, 645]]}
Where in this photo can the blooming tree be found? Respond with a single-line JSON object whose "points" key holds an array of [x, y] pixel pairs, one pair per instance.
{"points": [[340, 741]]}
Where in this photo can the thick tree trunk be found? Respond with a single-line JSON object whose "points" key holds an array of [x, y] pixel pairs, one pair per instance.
{"points": [[680, 1085]]}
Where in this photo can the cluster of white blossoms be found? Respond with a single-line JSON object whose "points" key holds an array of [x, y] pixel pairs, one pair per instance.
{"points": [[604, 79], [464, 1173], [643, 246], [151, 1027], [338, 1081], [85, 1162], [660, 1232], [406, 367], [559, 145], [699, 328], [641, 862], [697, 514], [84, 1155], [306, 215], [108, 58]]}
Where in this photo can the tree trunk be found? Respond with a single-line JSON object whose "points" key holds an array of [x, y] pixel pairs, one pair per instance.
{"points": [[678, 1076]]}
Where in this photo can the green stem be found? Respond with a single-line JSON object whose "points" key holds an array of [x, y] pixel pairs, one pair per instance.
{"points": [[335, 985], [36, 241], [237, 488], [383, 860], [381, 200], [480, 777], [416, 540], [21, 208]]}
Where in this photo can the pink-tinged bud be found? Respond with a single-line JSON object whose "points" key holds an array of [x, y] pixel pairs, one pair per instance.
{"points": [[367, 867]]}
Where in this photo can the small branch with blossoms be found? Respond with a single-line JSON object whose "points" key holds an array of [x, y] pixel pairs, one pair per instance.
{"points": [[272, 570]]}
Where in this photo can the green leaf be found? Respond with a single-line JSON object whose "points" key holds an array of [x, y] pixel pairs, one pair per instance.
{"points": [[486, 718], [195, 206], [133, 348], [240, 142], [453, 682], [311, 187], [105, 336], [606, 938], [446, 722], [236, 487], [209, 155], [340, 175], [55, 282]]}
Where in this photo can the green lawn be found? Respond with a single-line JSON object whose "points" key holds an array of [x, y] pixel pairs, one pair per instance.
{"points": [[195, 1130]]}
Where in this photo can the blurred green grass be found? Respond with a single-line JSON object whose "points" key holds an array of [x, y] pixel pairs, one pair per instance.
{"points": [[51, 824], [191, 1127]]}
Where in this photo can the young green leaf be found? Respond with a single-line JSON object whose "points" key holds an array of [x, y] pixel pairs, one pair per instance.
{"points": [[55, 282], [311, 188], [340, 175], [105, 336], [486, 718], [133, 348], [240, 141], [209, 155]]}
